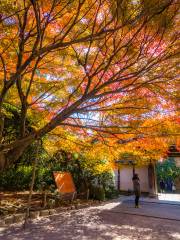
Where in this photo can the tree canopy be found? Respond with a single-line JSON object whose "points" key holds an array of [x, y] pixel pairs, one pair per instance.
{"points": [[88, 72]]}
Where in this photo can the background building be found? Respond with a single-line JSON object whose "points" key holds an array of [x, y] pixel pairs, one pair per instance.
{"points": [[124, 173]]}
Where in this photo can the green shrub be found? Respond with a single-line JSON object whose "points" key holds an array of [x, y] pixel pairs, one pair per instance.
{"points": [[44, 178], [20, 178], [111, 192], [167, 170], [16, 179], [23, 177], [99, 193]]}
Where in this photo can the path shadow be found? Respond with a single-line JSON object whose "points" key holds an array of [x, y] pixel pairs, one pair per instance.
{"points": [[107, 222]]}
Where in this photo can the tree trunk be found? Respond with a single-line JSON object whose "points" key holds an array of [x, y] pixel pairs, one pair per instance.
{"points": [[152, 180], [32, 183], [13, 151], [1, 119], [2, 161], [7, 158], [23, 121], [1, 126]]}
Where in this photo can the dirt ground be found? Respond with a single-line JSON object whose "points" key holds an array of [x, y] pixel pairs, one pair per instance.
{"points": [[16, 202], [113, 221]]}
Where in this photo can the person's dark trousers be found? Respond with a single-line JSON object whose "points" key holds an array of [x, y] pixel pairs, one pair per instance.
{"points": [[136, 201]]}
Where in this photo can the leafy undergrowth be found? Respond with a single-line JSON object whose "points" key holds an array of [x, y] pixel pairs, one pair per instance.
{"points": [[16, 202]]}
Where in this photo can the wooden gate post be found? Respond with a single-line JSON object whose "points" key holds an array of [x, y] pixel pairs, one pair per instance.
{"points": [[152, 180], [118, 179]]}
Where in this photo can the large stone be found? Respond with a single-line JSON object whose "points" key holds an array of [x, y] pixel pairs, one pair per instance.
{"points": [[78, 206], [34, 215], [44, 213], [52, 211], [9, 220], [2, 222], [19, 217]]}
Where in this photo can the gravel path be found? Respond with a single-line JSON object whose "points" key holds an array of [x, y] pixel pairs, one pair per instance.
{"points": [[107, 222]]}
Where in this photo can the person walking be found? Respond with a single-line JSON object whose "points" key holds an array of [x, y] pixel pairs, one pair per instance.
{"points": [[136, 184], [162, 185], [173, 187]]}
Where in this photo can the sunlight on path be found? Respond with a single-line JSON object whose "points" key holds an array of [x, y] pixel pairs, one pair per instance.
{"points": [[104, 222], [169, 197]]}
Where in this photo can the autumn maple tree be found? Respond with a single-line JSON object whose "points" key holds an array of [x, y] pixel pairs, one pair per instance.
{"points": [[98, 68]]}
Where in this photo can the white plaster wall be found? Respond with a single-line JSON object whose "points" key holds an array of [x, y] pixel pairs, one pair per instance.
{"points": [[116, 178], [126, 174], [143, 176], [116, 174]]}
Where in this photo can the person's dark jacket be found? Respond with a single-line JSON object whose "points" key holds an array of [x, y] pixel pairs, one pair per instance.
{"points": [[136, 184]]}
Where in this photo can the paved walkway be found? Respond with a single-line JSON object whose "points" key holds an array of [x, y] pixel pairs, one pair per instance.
{"points": [[169, 197], [112, 221]]}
